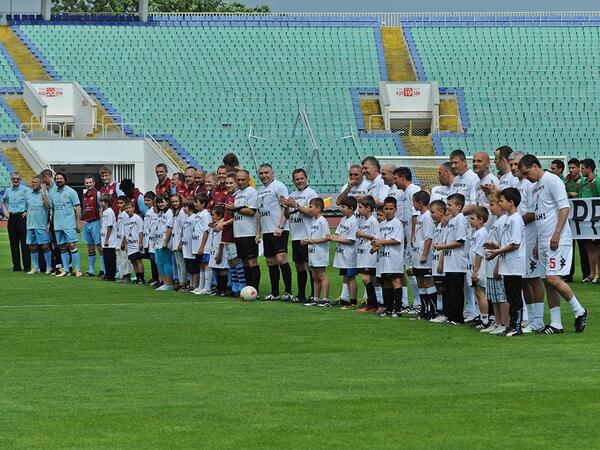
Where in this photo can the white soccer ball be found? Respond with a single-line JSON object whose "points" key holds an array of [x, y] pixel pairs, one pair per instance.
{"points": [[248, 293]]}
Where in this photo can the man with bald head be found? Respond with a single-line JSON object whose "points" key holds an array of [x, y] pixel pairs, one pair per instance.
{"points": [[446, 178], [487, 181]]}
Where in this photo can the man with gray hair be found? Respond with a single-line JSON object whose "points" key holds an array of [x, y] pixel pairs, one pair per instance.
{"points": [[14, 205]]}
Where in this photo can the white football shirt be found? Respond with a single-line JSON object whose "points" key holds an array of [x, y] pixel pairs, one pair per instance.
{"points": [[549, 197], [377, 189], [186, 236], [513, 263], [440, 192], [299, 223], [199, 227], [345, 254], [455, 260], [163, 221], [132, 228], [390, 258], [269, 207], [245, 226], [149, 221], [508, 180], [318, 254], [466, 185], [108, 220], [423, 231], [478, 238], [439, 237], [364, 258], [494, 235], [480, 197]]}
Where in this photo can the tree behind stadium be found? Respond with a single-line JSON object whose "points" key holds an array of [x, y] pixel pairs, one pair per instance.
{"points": [[131, 6]]}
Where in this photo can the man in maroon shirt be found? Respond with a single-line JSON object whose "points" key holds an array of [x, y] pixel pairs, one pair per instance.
{"points": [[199, 177], [219, 192], [189, 187], [164, 182], [110, 187], [178, 180]]}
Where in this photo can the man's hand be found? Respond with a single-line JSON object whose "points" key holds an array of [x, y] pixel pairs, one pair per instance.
{"points": [[278, 231], [257, 239], [554, 241], [490, 246], [474, 276], [491, 255]]}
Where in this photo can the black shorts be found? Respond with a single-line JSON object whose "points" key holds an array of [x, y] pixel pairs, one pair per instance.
{"points": [[371, 271], [390, 276], [274, 245], [246, 247], [299, 252], [418, 272], [192, 266], [134, 256], [439, 283], [349, 273]]}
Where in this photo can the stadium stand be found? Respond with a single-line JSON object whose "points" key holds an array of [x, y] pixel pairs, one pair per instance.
{"points": [[533, 87], [206, 85]]}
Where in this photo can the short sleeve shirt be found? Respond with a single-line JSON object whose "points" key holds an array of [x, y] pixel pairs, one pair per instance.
{"points": [[318, 254], [478, 238], [108, 220], [466, 185], [299, 223], [494, 235], [245, 226], [37, 213], [269, 206], [549, 197], [390, 258], [455, 260], [424, 230], [345, 254], [513, 263], [63, 203], [15, 199], [132, 227], [364, 258]]}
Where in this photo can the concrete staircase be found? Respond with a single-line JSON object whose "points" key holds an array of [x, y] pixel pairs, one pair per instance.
{"points": [[19, 163], [370, 107], [397, 57], [449, 107], [26, 62], [23, 113], [172, 155]]}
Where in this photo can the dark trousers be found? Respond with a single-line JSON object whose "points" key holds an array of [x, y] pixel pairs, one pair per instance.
{"points": [[514, 295], [17, 235], [455, 296], [583, 260], [110, 263]]}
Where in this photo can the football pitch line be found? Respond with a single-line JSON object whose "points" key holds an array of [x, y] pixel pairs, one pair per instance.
{"points": [[68, 305]]}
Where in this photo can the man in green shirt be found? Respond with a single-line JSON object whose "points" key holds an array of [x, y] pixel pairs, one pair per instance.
{"points": [[573, 184], [574, 181], [589, 189]]}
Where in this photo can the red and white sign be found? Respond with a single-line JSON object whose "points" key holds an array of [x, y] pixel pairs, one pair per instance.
{"points": [[50, 92], [408, 92]]}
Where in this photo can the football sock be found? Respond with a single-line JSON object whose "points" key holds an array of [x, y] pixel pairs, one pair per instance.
{"points": [[404, 296], [48, 259], [256, 277], [241, 275], [234, 279], [92, 263], [222, 283], [531, 314], [345, 295], [34, 260], [201, 279], [388, 299], [431, 294], [576, 306], [379, 294], [371, 296], [555, 319], [397, 293], [102, 267], [539, 314], [485, 319], [64, 257], [286, 274], [440, 302], [274, 278], [302, 278], [416, 291], [207, 279]]}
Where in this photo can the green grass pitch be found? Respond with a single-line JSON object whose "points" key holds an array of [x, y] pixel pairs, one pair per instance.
{"points": [[89, 364]]}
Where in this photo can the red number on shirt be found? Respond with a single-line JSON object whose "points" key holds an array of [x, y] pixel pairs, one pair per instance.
{"points": [[552, 263]]}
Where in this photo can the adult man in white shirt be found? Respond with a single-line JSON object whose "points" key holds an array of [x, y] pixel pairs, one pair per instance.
{"points": [[487, 182], [446, 179], [408, 216], [244, 227], [298, 212], [555, 247], [271, 221], [377, 188], [501, 159], [465, 181], [356, 185]]}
